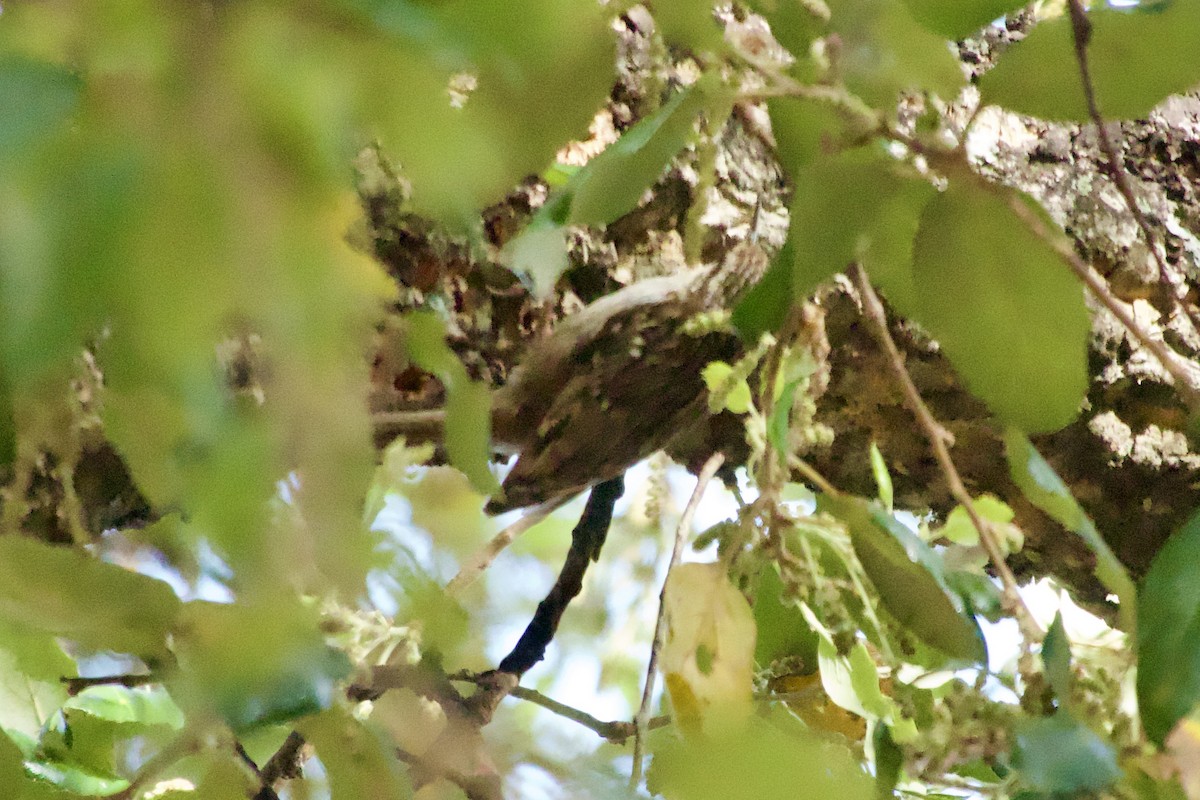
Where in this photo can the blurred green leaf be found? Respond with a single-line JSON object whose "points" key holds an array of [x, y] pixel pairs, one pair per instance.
{"points": [[884, 51], [30, 685], [468, 403], [1168, 634], [359, 761], [794, 24], [1041, 486], [689, 23], [612, 183], [889, 760], [1060, 755], [782, 629], [141, 705], [1137, 55], [956, 19], [804, 130], [1056, 660], [906, 573], [254, 663], [852, 681], [37, 99], [857, 207], [779, 423], [540, 69], [1009, 315], [71, 594], [764, 306], [760, 760]]}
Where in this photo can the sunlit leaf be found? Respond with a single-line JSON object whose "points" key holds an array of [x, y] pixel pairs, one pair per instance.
{"points": [[612, 183], [1041, 485], [71, 594], [358, 760], [960, 529], [538, 252], [905, 572], [143, 705], [708, 655], [1009, 315], [1168, 634], [1060, 755], [31, 689], [1137, 55], [760, 760], [956, 19]]}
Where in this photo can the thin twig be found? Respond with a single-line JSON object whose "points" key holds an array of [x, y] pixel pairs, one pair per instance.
{"points": [[479, 561], [1187, 381], [616, 732], [939, 438], [1081, 28], [284, 763], [642, 720], [188, 741], [77, 685]]}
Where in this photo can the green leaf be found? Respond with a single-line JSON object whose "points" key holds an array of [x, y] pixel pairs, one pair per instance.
{"points": [[1168, 634], [141, 705], [956, 19], [782, 629], [884, 51], [764, 306], [780, 421], [468, 403], [883, 478], [794, 24], [1009, 315], [254, 663], [358, 760], [961, 530], [804, 130], [612, 183], [689, 23], [760, 760], [71, 594], [29, 696], [857, 207], [1136, 56], [541, 68], [1060, 755], [889, 759], [1042, 487], [38, 98], [906, 574], [1056, 660]]}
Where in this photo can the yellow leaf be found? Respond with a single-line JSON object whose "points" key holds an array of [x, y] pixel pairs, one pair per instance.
{"points": [[708, 654]]}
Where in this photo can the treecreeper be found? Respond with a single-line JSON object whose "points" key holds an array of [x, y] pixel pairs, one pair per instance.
{"points": [[611, 385]]}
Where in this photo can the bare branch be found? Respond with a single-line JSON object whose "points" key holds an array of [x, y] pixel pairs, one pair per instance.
{"points": [[479, 561]]}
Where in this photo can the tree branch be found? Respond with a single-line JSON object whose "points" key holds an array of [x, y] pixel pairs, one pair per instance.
{"points": [[939, 439]]}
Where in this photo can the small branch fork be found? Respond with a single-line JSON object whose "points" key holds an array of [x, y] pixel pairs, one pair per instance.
{"points": [[642, 721], [939, 440]]}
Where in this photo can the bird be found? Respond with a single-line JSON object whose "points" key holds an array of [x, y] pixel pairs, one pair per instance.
{"points": [[611, 385]]}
